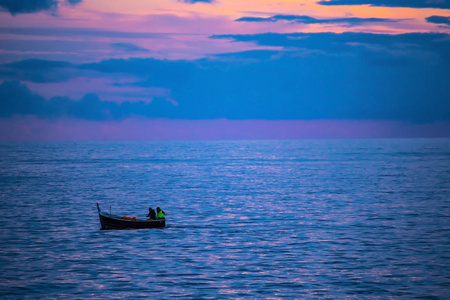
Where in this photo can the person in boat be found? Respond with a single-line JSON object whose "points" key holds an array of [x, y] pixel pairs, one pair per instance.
{"points": [[151, 214], [160, 213]]}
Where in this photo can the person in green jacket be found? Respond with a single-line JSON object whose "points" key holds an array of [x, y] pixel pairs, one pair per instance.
{"points": [[160, 214]]}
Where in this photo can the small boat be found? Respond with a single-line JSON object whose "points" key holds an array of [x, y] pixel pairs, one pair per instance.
{"points": [[110, 221]]}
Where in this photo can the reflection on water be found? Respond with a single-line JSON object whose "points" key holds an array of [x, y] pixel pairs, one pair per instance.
{"points": [[251, 219]]}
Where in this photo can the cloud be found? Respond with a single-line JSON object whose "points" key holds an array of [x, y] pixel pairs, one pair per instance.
{"points": [[17, 99], [198, 1], [128, 47], [412, 46], [311, 20], [37, 70], [29, 6], [438, 20], [85, 32], [32, 6], [74, 44], [316, 76], [444, 4], [161, 73], [349, 76], [38, 64]]}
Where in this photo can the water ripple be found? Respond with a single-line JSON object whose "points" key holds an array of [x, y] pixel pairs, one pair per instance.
{"points": [[245, 219]]}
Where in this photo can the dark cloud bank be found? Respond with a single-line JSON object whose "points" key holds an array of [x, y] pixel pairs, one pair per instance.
{"points": [[439, 20], [311, 20], [31, 6], [17, 99], [316, 76], [444, 4]]}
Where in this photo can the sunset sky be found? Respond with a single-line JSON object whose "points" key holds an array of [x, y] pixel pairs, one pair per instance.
{"points": [[223, 69]]}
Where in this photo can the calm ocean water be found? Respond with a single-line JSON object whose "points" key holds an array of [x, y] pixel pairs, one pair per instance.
{"points": [[246, 219]]}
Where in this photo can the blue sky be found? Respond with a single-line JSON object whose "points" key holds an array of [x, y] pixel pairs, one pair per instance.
{"points": [[304, 64]]}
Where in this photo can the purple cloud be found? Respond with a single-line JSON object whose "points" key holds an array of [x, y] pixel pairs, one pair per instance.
{"points": [[85, 32]]}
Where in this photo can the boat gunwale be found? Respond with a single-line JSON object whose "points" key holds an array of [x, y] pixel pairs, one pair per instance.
{"points": [[117, 217]]}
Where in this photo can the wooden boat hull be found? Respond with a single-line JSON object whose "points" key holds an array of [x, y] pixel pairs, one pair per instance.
{"points": [[110, 221]]}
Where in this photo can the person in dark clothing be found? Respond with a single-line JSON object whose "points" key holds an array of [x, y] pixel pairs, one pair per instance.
{"points": [[151, 214], [160, 213]]}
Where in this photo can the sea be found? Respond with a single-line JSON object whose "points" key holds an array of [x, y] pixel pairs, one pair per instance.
{"points": [[260, 219]]}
